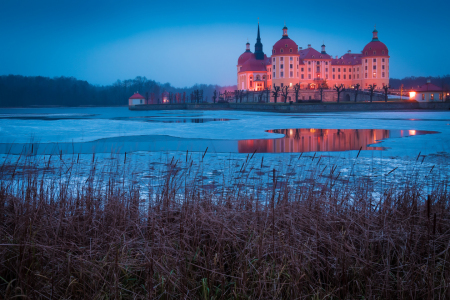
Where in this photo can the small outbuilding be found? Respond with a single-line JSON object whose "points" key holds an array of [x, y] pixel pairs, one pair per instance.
{"points": [[427, 93], [136, 99]]}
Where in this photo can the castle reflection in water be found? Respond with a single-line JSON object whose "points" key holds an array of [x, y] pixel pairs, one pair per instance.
{"points": [[312, 140]]}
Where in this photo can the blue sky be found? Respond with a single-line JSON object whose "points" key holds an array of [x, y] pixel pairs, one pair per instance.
{"points": [[188, 42]]}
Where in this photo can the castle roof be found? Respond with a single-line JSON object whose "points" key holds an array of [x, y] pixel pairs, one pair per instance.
{"points": [[245, 56], [348, 59], [254, 64], [311, 53], [375, 48]]}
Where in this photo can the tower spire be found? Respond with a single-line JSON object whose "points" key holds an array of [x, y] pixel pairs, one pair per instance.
{"points": [[259, 54]]}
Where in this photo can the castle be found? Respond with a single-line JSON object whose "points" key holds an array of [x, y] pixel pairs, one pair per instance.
{"points": [[290, 65]]}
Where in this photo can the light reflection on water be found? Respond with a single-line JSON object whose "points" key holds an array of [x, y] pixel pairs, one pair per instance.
{"points": [[319, 140]]}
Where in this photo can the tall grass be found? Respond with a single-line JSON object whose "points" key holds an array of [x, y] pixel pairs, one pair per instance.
{"points": [[106, 237]]}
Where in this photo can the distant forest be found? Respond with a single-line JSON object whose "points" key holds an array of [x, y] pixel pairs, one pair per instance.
{"points": [[22, 91], [414, 82]]}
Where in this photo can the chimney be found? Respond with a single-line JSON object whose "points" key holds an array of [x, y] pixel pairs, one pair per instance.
{"points": [[336, 57], [349, 51], [309, 45], [300, 48]]}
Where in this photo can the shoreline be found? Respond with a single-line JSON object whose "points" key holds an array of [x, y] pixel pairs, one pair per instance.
{"points": [[300, 107]]}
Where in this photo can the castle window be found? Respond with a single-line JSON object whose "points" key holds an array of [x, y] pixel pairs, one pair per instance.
{"points": [[264, 77], [281, 74], [382, 74], [365, 68], [313, 56], [309, 69], [339, 69], [318, 69], [334, 69], [281, 66], [382, 60], [273, 59], [374, 67], [297, 74], [273, 74], [303, 69], [357, 76], [281, 50], [326, 69], [374, 52], [281, 58], [339, 76], [357, 69], [285, 45], [321, 56], [309, 62], [345, 69], [326, 63], [309, 76], [303, 76], [270, 76], [365, 76], [273, 51], [382, 67], [374, 60], [383, 53], [291, 74], [349, 69], [291, 66], [274, 67], [318, 62], [366, 54], [251, 83], [370, 48], [334, 76], [291, 58], [366, 59], [344, 76], [349, 76], [326, 76], [297, 58], [290, 50]]}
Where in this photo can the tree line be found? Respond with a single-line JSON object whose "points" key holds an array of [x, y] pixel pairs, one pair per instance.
{"points": [[20, 91], [414, 82]]}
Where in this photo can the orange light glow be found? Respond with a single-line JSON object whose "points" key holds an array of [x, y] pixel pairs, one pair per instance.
{"points": [[412, 95], [412, 132]]}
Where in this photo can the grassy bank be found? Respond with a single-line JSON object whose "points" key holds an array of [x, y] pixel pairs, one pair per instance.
{"points": [[106, 237]]}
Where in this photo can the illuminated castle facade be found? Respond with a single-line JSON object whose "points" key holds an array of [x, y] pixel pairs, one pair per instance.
{"points": [[290, 64]]}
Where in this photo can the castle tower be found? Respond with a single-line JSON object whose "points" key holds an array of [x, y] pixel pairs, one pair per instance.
{"points": [[259, 54]]}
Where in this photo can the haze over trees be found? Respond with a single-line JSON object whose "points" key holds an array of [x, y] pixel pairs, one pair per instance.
{"points": [[17, 91]]}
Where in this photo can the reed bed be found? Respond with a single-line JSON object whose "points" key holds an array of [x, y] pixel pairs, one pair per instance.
{"points": [[105, 236]]}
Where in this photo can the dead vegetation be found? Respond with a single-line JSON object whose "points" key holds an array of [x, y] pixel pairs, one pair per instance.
{"points": [[109, 238]]}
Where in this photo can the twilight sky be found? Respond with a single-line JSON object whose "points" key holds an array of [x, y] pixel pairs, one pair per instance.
{"points": [[188, 42]]}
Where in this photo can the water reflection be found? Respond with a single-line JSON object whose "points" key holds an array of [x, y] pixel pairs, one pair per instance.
{"points": [[317, 140]]}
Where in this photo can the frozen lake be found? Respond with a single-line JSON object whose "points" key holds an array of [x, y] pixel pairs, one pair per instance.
{"points": [[118, 130], [218, 146]]}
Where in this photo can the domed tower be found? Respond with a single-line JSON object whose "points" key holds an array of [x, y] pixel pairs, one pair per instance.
{"points": [[285, 61], [375, 63]]}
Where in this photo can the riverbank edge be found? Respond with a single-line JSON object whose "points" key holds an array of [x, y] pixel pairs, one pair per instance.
{"points": [[299, 107]]}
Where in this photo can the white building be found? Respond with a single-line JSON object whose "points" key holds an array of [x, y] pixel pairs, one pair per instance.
{"points": [[136, 99], [427, 93]]}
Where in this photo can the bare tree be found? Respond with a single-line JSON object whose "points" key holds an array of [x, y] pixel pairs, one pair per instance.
{"points": [[296, 91], [371, 89], [241, 95], [339, 90], [285, 92], [267, 93], [321, 88], [275, 92], [357, 86], [386, 89], [214, 96], [236, 95]]}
